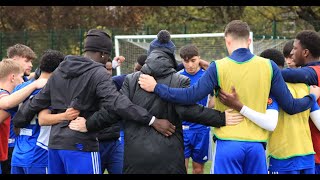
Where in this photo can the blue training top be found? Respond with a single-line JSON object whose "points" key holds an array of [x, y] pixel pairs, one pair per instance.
{"points": [[208, 82], [193, 79]]}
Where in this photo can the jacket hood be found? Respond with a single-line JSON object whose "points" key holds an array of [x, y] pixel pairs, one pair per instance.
{"points": [[74, 66], [159, 63]]}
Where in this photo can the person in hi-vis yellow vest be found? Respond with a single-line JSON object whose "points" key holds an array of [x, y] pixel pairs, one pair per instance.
{"points": [[239, 149], [306, 53], [289, 147]]}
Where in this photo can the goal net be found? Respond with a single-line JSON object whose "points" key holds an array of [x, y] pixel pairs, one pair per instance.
{"points": [[264, 43], [211, 47]]}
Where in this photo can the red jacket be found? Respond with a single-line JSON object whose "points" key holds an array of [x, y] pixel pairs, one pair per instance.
{"points": [[315, 133]]}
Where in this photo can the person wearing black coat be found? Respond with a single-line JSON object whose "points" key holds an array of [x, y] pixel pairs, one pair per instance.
{"points": [[82, 83], [145, 150]]}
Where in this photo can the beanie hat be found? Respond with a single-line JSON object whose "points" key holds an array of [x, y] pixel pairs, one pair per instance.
{"points": [[98, 41], [163, 40]]}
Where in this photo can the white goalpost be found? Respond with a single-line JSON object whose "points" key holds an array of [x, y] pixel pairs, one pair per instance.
{"points": [[210, 45]]}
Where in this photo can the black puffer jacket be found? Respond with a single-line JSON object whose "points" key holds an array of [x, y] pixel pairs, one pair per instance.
{"points": [[84, 84], [146, 150]]}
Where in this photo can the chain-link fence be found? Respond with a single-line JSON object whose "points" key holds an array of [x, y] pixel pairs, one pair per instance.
{"points": [[71, 41], [66, 41]]}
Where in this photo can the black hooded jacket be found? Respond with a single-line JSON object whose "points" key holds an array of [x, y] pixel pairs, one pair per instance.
{"points": [[146, 151], [84, 84]]}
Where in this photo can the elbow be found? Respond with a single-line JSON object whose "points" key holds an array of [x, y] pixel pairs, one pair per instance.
{"points": [[273, 125], [290, 112], [41, 123], [271, 128]]}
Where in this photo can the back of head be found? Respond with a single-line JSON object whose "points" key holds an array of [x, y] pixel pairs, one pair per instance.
{"points": [[142, 59], [8, 66], [310, 40], [22, 51], [287, 48], [188, 51], [163, 40], [98, 41], [140, 62], [274, 55], [237, 29], [50, 60]]}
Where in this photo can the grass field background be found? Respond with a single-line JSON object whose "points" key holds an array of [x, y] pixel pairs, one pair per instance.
{"points": [[207, 167]]}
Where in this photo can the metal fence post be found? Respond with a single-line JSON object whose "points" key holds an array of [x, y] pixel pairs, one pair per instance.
{"points": [[274, 28], [25, 36], [52, 38], [81, 40]]}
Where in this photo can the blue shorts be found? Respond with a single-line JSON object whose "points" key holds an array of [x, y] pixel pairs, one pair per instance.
{"points": [[111, 153], [303, 171], [73, 162], [239, 157], [196, 145], [295, 165], [29, 170], [317, 168]]}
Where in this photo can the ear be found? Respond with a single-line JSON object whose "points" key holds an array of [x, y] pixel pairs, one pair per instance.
{"points": [[227, 41], [306, 52], [249, 41], [11, 77]]}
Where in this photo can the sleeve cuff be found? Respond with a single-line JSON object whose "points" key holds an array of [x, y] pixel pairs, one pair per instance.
{"points": [[243, 109], [313, 97], [152, 120], [156, 89], [115, 64]]}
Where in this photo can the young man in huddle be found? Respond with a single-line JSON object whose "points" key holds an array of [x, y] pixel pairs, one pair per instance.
{"points": [[289, 147], [196, 136], [224, 74], [24, 56]]}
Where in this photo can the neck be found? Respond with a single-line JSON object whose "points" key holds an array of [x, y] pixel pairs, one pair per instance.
{"points": [[91, 55], [236, 44], [45, 75], [7, 86]]}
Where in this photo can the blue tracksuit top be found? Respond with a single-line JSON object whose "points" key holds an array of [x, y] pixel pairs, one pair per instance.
{"points": [[208, 82], [304, 74]]}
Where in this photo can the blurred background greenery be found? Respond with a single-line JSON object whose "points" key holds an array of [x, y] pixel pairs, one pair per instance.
{"points": [[63, 27]]}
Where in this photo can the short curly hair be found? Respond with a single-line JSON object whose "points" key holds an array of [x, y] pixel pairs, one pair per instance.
{"points": [[50, 60], [310, 40], [273, 54]]}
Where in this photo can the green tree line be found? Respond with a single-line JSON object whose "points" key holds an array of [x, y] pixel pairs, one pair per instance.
{"points": [[63, 27], [135, 18]]}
